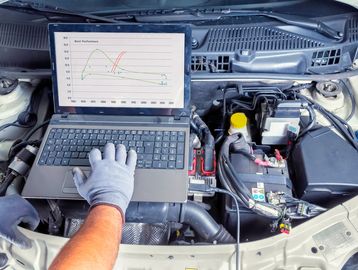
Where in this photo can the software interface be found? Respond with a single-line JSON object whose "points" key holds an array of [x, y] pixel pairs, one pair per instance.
{"points": [[120, 69]]}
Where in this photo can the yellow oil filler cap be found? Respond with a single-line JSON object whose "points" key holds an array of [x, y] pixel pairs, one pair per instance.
{"points": [[238, 120]]}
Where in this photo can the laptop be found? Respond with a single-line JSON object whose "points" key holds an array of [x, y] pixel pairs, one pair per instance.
{"points": [[126, 84]]}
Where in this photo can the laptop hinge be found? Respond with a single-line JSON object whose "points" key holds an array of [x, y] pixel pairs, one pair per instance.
{"points": [[65, 115], [179, 116]]}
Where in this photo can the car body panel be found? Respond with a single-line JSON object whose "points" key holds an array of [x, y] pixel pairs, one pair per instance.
{"points": [[302, 249]]}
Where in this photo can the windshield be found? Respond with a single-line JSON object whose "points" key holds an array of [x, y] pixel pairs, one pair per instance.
{"points": [[127, 5]]}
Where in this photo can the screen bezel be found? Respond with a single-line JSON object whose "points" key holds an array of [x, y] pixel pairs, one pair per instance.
{"points": [[136, 28]]}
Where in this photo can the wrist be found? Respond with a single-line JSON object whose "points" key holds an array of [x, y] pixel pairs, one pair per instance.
{"points": [[114, 199], [109, 208]]}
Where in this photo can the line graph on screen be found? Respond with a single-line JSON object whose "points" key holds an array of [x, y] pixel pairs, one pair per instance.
{"points": [[114, 70], [120, 68]]}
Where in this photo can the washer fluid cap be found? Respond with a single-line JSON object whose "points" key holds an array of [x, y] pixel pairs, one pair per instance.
{"points": [[238, 120]]}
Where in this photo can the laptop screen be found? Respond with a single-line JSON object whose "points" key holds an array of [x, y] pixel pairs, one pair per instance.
{"points": [[119, 68]]}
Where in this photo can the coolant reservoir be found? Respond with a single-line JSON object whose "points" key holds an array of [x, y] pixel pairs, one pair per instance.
{"points": [[11, 105], [239, 124]]}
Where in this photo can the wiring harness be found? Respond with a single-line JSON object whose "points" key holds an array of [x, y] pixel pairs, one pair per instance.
{"points": [[339, 124], [286, 207]]}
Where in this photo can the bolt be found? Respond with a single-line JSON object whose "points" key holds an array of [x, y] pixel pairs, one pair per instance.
{"points": [[194, 43]]}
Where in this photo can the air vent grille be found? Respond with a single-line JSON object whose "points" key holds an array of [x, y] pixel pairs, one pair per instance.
{"points": [[23, 36], [326, 58], [257, 38], [352, 29], [198, 63], [222, 63], [219, 63]]}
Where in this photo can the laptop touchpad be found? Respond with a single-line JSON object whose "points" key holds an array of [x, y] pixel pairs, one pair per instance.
{"points": [[69, 185]]}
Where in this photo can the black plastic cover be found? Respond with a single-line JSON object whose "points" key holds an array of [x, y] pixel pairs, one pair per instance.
{"points": [[325, 167]]}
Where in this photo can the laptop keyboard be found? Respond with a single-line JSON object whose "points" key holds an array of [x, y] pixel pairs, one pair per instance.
{"points": [[155, 149]]}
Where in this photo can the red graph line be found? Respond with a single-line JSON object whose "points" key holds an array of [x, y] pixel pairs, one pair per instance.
{"points": [[115, 64]]}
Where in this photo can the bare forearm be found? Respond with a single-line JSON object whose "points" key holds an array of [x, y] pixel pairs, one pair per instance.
{"points": [[95, 245]]}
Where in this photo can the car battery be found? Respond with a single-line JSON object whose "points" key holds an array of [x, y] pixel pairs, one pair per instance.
{"points": [[265, 184]]}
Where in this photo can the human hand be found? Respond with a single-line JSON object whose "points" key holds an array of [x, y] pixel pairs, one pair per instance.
{"points": [[111, 181], [14, 209]]}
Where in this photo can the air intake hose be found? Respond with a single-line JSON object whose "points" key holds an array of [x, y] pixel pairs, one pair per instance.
{"points": [[201, 221], [189, 213]]}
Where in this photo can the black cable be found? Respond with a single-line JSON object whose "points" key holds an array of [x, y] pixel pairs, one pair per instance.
{"points": [[341, 127], [299, 87], [223, 179], [264, 94], [33, 105], [259, 93], [7, 125], [340, 124], [236, 201], [18, 145], [261, 208], [246, 154], [224, 104], [265, 90], [34, 129], [241, 104], [6, 183], [13, 124], [221, 134], [227, 175], [312, 121], [237, 185], [21, 143], [232, 195], [195, 128], [352, 98]]}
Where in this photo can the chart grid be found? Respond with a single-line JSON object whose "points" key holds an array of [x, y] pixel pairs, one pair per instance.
{"points": [[120, 69]]}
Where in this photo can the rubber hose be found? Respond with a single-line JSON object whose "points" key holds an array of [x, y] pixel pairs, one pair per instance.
{"points": [[201, 221], [189, 213]]}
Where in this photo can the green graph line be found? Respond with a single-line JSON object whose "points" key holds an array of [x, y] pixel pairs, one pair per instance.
{"points": [[84, 73]]}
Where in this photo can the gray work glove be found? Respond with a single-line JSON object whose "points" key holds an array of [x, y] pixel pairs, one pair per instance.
{"points": [[13, 210], [111, 181]]}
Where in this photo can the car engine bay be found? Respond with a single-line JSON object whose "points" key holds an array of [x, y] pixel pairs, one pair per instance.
{"points": [[273, 149], [277, 149]]}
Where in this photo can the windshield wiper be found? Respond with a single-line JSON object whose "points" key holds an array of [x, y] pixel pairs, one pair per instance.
{"points": [[179, 15], [29, 7], [196, 14]]}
